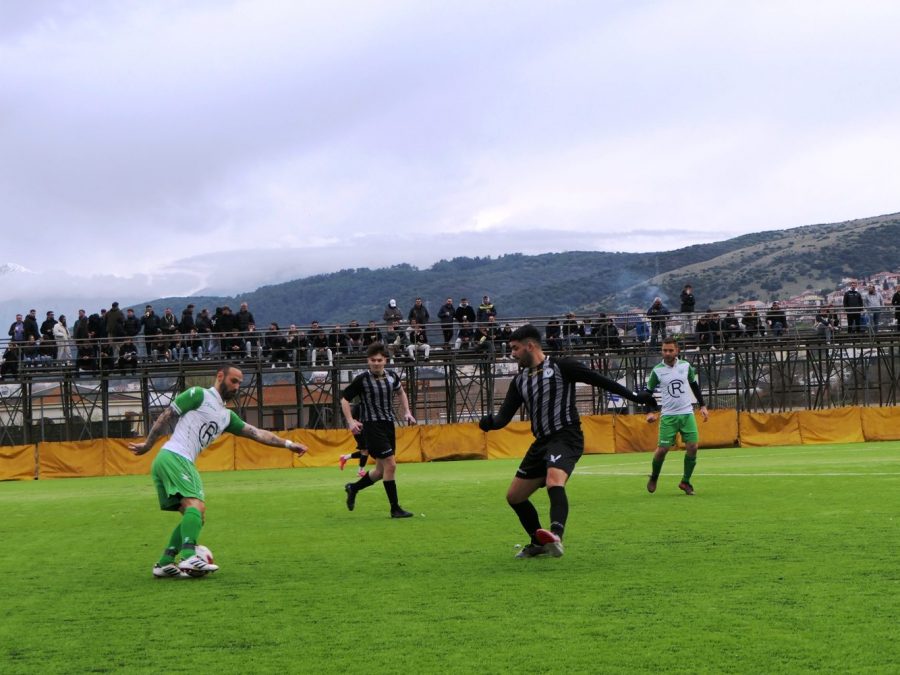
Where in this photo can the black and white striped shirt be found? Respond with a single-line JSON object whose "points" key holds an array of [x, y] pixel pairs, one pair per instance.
{"points": [[375, 395], [548, 393]]}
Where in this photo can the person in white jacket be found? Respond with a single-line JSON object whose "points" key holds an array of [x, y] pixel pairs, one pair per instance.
{"points": [[873, 302], [63, 344]]}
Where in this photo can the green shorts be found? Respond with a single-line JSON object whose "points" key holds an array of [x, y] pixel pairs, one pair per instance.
{"points": [[175, 478], [670, 425]]}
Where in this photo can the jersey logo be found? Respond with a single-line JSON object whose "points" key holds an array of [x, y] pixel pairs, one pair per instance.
{"points": [[675, 389], [208, 433], [554, 458], [548, 373]]}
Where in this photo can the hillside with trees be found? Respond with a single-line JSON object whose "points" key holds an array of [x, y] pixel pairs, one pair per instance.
{"points": [[762, 266]]}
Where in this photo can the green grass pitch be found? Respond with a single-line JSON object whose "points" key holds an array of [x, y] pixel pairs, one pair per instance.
{"points": [[787, 560]]}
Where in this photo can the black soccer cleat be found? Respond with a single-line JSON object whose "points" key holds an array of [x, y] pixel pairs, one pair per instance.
{"points": [[400, 513], [351, 496]]}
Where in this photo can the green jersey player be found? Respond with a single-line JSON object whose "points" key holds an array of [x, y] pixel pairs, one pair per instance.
{"points": [[675, 377], [201, 418]]}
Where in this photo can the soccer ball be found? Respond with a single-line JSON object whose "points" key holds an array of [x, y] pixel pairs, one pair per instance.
{"points": [[204, 553]]}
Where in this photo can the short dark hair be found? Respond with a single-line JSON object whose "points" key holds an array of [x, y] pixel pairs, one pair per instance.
{"points": [[226, 368], [526, 332], [376, 348], [670, 341]]}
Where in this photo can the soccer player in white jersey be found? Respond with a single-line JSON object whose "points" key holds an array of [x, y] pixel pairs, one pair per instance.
{"points": [[675, 377], [201, 417]]}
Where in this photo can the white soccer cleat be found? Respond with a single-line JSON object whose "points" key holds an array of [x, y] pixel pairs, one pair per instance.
{"points": [[169, 571], [197, 564]]}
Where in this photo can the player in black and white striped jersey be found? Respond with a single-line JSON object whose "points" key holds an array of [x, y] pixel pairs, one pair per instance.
{"points": [[375, 391], [546, 387]]}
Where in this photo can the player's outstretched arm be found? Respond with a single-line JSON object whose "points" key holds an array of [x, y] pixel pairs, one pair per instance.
{"points": [[268, 438], [511, 404], [159, 427]]}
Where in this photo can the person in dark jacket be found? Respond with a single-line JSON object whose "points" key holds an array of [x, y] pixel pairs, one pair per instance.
{"points": [[688, 301], [658, 313], [446, 315], [776, 319], [419, 312], [853, 305], [465, 311]]}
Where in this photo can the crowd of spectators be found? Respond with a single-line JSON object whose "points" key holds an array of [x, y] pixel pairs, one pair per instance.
{"points": [[118, 341]]}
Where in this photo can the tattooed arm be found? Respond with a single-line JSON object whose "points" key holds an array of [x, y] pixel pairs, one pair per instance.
{"points": [[169, 415], [268, 438]]}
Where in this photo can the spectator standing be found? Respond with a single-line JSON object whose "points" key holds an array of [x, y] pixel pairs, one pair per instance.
{"points": [[419, 312], [62, 339], [485, 309], [203, 324], [187, 322], [688, 301], [31, 325], [115, 322], [131, 325], [446, 315], [150, 324], [48, 342], [853, 306], [895, 301], [168, 324], [392, 312], [465, 310], [17, 330], [244, 318], [658, 315], [873, 302]]}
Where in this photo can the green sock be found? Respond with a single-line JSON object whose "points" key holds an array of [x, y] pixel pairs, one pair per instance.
{"points": [[171, 551], [191, 524], [689, 464], [657, 467]]}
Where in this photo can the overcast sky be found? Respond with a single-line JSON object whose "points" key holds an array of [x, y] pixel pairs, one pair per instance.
{"points": [[164, 147]]}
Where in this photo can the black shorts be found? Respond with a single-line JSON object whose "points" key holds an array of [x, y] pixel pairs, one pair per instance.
{"points": [[561, 450], [379, 439]]}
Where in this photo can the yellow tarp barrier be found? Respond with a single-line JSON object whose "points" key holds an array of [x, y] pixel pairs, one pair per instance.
{"points": [[762, 429], [74, 459], [452, 441], [510, 442], [219, 456], [880, 424], [120, 461], [719, 431], [836, 425], [325, 446], [249, 454], [603, 434], [634, 434], [409, 444], [599, 435], [17, 462]]}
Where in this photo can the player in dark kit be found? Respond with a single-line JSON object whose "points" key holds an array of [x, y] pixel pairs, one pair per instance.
{"points": [[375, 390], [546, 387]]}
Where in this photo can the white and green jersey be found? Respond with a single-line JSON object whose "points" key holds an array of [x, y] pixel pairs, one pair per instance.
{"points": [[203, 417], [674, 385]]}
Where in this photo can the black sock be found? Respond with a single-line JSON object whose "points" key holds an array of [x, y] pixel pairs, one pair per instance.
{"points": [[363, 459], [390, 486], [363, 483], [529, 518], [355, 455], [559, 509]]}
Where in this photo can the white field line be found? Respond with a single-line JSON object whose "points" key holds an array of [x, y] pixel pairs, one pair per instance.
{"points": [[837, 474]]}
